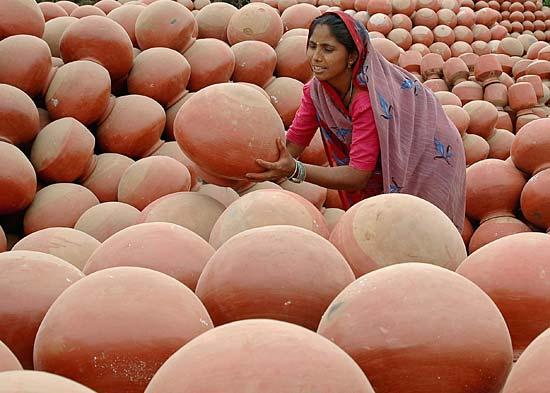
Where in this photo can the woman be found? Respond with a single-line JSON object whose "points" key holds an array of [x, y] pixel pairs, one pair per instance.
{"points": [[382, 130]]}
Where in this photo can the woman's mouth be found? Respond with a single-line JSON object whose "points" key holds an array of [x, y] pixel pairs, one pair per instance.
{"points": [[317, 69]]}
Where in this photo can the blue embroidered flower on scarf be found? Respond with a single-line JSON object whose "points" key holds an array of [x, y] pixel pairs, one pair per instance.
{"points": [[394, 187], [385, 107], [442, 152]]}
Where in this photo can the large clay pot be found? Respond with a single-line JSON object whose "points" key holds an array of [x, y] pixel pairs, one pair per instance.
{"points": [[455, 71], [190, 210], [468, 91], [20, 17], [211, 60], [86, 10], [530, 150], [255, 21], [241, 120], [17, 180], [276, 286], [8, 361], [63, 151], [286, 94], [44, 211], [112, 47], [367, 238], [76, 83], [511, 271], [25, 62], [104, 220], [19, 118], [161, 74], [255, 62], [30, 283], [529, 372], [160, 246], [299, 16], [225, 195], [133, 127], [166, 24], [171, 149], [107, 5], [267, 207], [279, 355], [104, 179], [496, 94], [535, 201], [213, 19], [151, 178], [488, 69], [432, 309], [448, 98], [292, 60], [483, 118], [500, 144], [494, 229], [54, 31], [159, 316], [67, 5], [521, 98], [459, 116]]}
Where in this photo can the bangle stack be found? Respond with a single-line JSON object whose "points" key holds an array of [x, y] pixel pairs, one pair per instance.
{"points": [[299, 174]]}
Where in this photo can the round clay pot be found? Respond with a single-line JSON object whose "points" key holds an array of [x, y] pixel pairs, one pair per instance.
{"points": [[255, 62], [20, 17], [103, 180], [51, 10], [126, 17], [534, 200], [448, 98], [133, 127], [387, 48], [68, 6], [8, 361], [496, 94], [312, 192], [255, 21], [63, 151], [166, 24], [520, 67], [86, 10], [171, 114], [522, 97], [107, 5], [230, 296], [488, 69], [53, 32], [104, 220], [460, 48], [279, 354], [410, 61], [494, 229], [425, 17], [25, 62], [19, 119], [151, 178], [500, 144], [155, 323], [455, 71], [516, 287], [401, 38], [468, 91], [292, 61], [299, 16], [493, 189], [447, 308], [401, 21], [225, 195], [16, 175], [233, 105], [213, 19], [459, 116], [483, 118], [380, 23], [511, 47], [267, 207], [359, 231], [431, 66], [30, 282]]}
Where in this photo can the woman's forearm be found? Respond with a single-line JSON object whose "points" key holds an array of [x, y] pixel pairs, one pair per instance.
{"points": [[337, 178]]}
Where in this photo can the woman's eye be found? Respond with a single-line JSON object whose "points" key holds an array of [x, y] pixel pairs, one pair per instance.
{"points": [[329, 50]]}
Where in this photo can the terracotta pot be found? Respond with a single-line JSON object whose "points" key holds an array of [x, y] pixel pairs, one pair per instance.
{"points": [[448, 98], [255, 21], [191, 210], [332, 216], [521, 121], [161, 74], [19, 119], [406, 287], [133, 127], [367, 253], [421, 48], [520, 67], [455, 71], [401, 21], [422, 35], [442, 49], [228, 296], [496, 94], [104, 179], [16, 175], [213, 19], [126, 17], [494, 229], [44, 213], [467, 231], [459, 116], [534, 200], [536, 82], [87, 10], [151, 178], [436, 85], [431, 66], [500, 144], [410, 61], [425, 17], [8, 362], [292, 61], [51, 10], [493, 189], [264, 185], [483, 118], [171, 113], [107, 5], [468, 91], [255, 62], [299, 16], [511, 46], [68, 6], [312, 192], [521, 98], [54, 30], [488, 69], [160, 321], [540, 68], [387, 48], [21, 17], [104, 220], [225, 195], [460, 48], [166, 24], [516, 288], [380, 23]]}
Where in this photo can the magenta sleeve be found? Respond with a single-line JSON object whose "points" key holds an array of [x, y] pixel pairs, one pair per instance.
{"points": [[305, 122], [365, 146]]}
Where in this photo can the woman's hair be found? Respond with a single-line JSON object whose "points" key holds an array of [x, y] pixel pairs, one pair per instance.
{"points": [[337, 28]]}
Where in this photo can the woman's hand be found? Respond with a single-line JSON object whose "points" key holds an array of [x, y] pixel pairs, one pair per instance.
{"points": [[282, 168]]}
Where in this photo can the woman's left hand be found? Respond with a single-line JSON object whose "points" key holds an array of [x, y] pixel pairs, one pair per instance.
{"points": [[283, 167]]}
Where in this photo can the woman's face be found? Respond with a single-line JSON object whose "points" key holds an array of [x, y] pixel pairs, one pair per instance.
{"points": [[328, 58]]}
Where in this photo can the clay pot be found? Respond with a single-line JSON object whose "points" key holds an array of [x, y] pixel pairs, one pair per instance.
{"points": [[161, 74], [434, 295], [468, 91], [460, 48], [255, 21], [425, 17], [422, 49], [86, 10], [104, 220], [133, 127], [387, 48], [16, 175], [534, 200], [51, 10], [289, 297], [25, 62], [299, 16], [459, 117], [534, 50], [160, 246], [488, 69], [493, 189], [257, 209], [520, 67], [63, 151], [151, 178], [530, 149], [431, 66], [213, 19], [467, 231], [401, 21], [126, 17], [211, 60], [494, 229], [366, 253], [380, 23], [225, 195], [190, 210], [75, 83], [171, 113], [511, 47], [455, 71], [107, 5], [264, 185], [279, 353], [166, 24], [104, 179], [410, 61], [312, 192], [529, 371], [496, 94], [255, 62], [483, 118], [155, 323], [448, 98], [68, 6], [53, 32], [516, 287], [192, 132], [8, 361], [436, 85], [21, 17], [19, 119], [521, 98], [521, 121], [500, 144], [292, 61], [315, 153]]}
